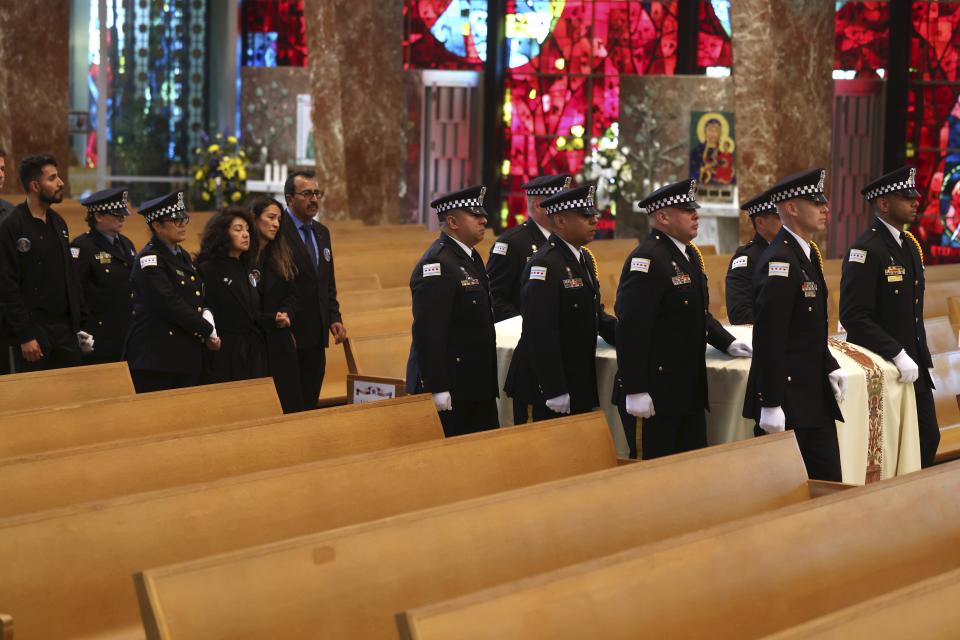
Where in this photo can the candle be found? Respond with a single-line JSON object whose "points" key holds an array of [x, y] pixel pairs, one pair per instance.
{"points": [[268, 173], [283, 174], [276, 171]]}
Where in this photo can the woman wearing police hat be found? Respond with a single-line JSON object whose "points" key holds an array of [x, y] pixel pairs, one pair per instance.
{"points": [[165, 345]]}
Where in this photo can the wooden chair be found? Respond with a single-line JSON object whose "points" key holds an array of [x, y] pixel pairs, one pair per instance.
{"points": [[941, 337], [349, 583], [744, 579], [146, 414], [63, 387], [102, 471], [66, 572]]}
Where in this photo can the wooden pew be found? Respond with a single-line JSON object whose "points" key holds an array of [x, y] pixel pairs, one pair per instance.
{"points": [[946, 380], [741, 580], [142, 415], [379, 322], [6, 627], [347, 283], [925, 609], [949, 447], [383, 355], [941, 337], [63, 387], [935, 298], [374, 299], [333, 392], [349, 583], [66, 572], [953, 312], [99, 472]]}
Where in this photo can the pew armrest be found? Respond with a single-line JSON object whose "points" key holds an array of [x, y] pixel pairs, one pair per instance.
{"points": [[6, 627], [820, 488], [625, 461]]}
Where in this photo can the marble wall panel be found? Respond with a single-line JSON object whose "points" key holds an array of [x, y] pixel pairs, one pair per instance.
{"points": [[268, 113]]}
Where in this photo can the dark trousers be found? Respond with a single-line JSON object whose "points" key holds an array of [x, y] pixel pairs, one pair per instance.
{"points": [[664, 435], [929, 429], [145, 381], [58, 342], [285, 369], [312, 363], [469, 416], [820, 450]]}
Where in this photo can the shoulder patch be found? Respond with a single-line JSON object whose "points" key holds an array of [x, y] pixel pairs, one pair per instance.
{"points": [[778, 269], [432, 269], [858, 255], [500, 248], [538, 273], [75, 252], [640, 264], [148, 261], [740, 262]]}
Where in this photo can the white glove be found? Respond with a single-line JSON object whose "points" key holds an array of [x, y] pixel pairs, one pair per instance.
{"points": [[909, 371], [85, 340], [208, 316], [740, 349], [838, 380], [560, 404], [640, 405], [442, 401], [772, 419]]}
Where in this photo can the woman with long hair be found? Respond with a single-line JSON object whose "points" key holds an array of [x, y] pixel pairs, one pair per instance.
{"points": [[228, 250], [278, 303]]}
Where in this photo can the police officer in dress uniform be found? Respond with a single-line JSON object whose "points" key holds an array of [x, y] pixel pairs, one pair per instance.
{"points": [[165, 345], [881, 295], [553, 370], [454, 350], [766, 223], [103, 259], [663, 327], [514, 247], [795, 383]]}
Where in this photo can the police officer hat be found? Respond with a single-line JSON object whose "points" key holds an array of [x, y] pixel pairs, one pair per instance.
{"points": [[168, 207], [111, 201], [806, 184], [469, 200], [679, 195], [759, 205], [547, 185], [579, 200], [902, 182]]}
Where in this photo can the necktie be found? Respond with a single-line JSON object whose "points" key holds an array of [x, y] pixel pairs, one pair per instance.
{"points": [[902, 238], [310, 248], [477, 260], [688, 251]]}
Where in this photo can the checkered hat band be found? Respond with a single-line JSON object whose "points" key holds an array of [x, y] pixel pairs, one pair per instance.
{"points": [[795, 192], [887, 188], [583, 203], [543, 191], [107, 206], [164, 212], [760, 208], [459, 204], [670, 201]]}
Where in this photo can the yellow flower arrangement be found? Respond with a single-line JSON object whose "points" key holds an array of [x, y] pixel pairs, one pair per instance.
{"points": [[219, 172]]}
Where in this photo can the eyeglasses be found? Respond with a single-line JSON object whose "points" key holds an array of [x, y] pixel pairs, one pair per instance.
{"points": [[179, 223], [310, 194]]}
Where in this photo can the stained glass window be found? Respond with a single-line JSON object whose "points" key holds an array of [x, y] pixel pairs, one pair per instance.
{"points": [[274, 33], [714, 48], [862, 34], [445, 34]]}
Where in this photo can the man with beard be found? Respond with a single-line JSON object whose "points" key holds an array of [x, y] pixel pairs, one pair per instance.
{"points": [[318, 314], [39, 291], [881, 295]]}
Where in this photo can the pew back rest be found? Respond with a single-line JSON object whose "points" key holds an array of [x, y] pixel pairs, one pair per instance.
{"points": [[138, 416], [382, 355], [941, 337], [373, 299], [349, 583], [69, 569], [347, 283], [379, 322], [59, 387], [946, 379], [935, 297], [99, 472]]}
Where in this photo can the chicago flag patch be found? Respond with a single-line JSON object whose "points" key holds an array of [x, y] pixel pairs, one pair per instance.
{"points": [[781, 269]]}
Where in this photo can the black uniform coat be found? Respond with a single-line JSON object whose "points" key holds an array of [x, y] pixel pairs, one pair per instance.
{"points": [[508, 257], [454, 343], [791, 359], [316, 286], [562, 316], [22, 275], [231, 294], [168, 331], [103, 269], [881, 298], [740, 281], [663, 327]]}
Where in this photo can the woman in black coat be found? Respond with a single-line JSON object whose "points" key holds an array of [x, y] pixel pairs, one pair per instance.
{"points": [[278, 301], [227, 252]]}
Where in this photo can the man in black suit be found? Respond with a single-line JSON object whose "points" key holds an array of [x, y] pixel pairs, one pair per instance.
{"points": [[663, 327], [795, 382], [316, 285], [513, 248], [553, 370], [454, 350], [39, 292], [766, 223], [881, 295], [103, 258]]}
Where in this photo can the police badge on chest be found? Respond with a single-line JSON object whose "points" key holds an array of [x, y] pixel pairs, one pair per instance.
{"points": [[809, 289], [570, 282]]}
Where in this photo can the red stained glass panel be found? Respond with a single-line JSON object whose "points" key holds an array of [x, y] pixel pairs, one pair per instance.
{"points": [[274, 33], [862, 35]]}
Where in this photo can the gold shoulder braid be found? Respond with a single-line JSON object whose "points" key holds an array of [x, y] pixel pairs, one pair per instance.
{"points": [[916, 243], [593, 259], [696, 250], [819, 256]]}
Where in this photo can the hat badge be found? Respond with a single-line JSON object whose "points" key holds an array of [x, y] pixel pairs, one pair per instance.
{"points": [[590, 193], [911, 179], [823, 175], [692, 193], [180, 199], [483, 192], [567, 182], [123, 201]]}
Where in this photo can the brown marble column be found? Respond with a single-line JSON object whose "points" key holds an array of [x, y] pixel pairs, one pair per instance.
{"points": [[783, 90], [34, 82], [355, 59]]}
